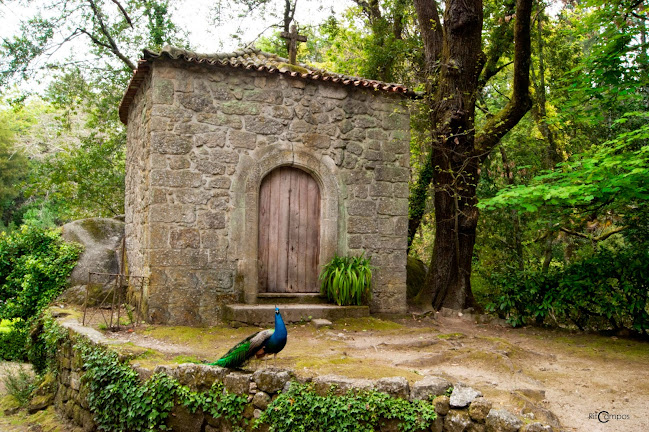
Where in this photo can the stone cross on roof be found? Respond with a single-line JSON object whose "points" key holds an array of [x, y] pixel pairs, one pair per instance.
{"points": [[293, 38]]}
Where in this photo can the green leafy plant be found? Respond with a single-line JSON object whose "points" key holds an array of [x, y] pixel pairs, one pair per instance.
{"points": [[119, 401], [347, 280], [607, 291], [34, 266], [301, 409], [19, 383]]}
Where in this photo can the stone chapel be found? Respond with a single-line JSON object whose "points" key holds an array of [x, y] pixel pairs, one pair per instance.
{"points": [[245, 174]]}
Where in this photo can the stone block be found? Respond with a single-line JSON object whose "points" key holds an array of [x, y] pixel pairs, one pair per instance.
{"points": [[456, 421], [394, 386], [392, 174], [271, 96], [361, 208], [393, 207], [442, 405], [429, 387], [175, 257], [237, 383], [462, 396], [381, 189], [332, 92], [178, 162], [211, 220], [500, 420], [176, 179], [210, 167], [220, 119], [241, 139], [169, 213], [322, 385], [199, 377], [361, 225], [163, 91], [239, 108], [264, 125], [271, 380], [316, 140], [191, 128], [170, 143], [479, 409], [182, 420], [261, 400], [184, 238], [197, 102], [211, 139]]}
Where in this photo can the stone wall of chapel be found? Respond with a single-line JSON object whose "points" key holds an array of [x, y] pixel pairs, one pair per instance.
{"points": [[203, 138]]}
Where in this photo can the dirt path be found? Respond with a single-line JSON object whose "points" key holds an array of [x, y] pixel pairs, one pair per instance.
{"points": [[574, 376]]}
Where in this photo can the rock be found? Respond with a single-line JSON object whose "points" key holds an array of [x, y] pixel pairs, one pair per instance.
{"points": [[477, 427], [40, 402], [394, 386], [528, 399], [499, 420], [462, 396], [438, 424], [237, 383], [442, 405], [428, 387], [456, 421], [535, 427], [415, 277], [320, 323], [449, 313], [101, 239], [181, 420], [271, 380], [479, 409], [341, 385], [199, 377], [261, 400]]}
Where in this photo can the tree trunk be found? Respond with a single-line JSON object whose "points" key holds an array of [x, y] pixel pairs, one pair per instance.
{"points": [[457, 150]]}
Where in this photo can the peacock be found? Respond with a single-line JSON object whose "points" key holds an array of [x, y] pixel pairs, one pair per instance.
{"points": [[260, 344]]}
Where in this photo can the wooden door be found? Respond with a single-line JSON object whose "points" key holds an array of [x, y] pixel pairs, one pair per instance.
{"points": [[289, 232]]}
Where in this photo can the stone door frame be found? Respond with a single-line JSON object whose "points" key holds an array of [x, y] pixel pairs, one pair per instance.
{"points": [[244, 223]]}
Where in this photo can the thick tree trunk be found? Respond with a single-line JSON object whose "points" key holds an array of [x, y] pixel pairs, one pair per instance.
{"points": [[457, 150]]}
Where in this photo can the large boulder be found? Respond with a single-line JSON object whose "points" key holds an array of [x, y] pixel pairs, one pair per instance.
{"points": [[102, 242]]}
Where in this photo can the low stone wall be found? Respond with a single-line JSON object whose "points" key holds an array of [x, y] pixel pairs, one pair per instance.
{"points": [[464, 410]]}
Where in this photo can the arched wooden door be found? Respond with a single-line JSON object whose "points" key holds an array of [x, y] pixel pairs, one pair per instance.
{"points": [[289, 232]]}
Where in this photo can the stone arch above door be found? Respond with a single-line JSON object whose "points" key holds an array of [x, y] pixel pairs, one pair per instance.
{"points": [[244, 223]]}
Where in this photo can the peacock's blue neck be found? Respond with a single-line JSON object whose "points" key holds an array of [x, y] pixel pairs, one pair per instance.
{"points": [[278, 339]]}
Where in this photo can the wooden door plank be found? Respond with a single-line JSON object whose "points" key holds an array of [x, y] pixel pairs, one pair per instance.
{"points": [[273, 239], [294, 226], [264, 225], [313, 237], [302, 233], [282, 229]]}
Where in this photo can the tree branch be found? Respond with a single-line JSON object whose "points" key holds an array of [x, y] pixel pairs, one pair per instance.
{"points": [[595, 239], [432, 32], [520, 103], [112, 46], [121, 8]]}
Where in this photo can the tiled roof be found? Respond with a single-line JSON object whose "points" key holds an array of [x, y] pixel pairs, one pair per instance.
{"points": [[249, 59]]}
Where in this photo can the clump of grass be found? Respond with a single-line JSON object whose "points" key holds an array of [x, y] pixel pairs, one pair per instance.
{"points": [[19, 384], [346, 280]]}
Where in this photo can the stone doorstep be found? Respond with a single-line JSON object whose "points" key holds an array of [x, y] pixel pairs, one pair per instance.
{"points": [[286, 298], [291, 313]]}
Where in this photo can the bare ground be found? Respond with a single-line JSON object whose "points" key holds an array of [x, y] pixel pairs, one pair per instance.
{"points": [[573, 375]]}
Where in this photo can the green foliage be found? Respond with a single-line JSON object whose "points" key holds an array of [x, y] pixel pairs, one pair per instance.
{"points": [[301, 409], [20, 383], [13, 344], [347, 280], [119, 401], [609, 290], [34, 266]]}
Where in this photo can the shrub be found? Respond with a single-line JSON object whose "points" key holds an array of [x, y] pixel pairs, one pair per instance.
{"points": [[34, 266], [609, 290], [20, 384], [347, 280]]}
